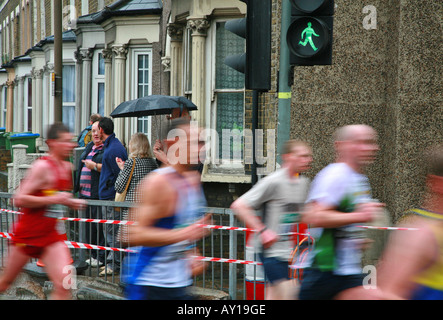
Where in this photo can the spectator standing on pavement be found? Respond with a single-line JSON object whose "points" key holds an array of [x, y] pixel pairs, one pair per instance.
{"points": [[280, 197], [86, 135], [87, 185], [113, 149], [140, 153]]}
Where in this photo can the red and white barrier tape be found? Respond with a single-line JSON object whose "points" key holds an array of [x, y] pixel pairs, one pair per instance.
{"points": [[119, 222], [5, 235], [77, 245], [211, 259], [388, 228], [216, 227]]}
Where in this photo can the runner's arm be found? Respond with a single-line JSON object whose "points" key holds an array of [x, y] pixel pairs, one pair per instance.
{"points": [[325, 216]]}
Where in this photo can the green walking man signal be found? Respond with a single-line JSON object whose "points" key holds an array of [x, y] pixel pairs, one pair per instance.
{"points": [[309, 32]]}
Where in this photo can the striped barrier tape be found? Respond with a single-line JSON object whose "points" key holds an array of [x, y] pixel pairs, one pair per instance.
{"points": [[211, 259], [216, 227], [78, 245], [388, 228], [5, 235], [119, 222]]}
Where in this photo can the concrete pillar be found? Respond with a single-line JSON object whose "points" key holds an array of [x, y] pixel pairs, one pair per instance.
{"points": [[20, 103], [37, 105], [175, 32], [86, 86], [107, 55], [120, 53], [199, 27], [10, 105]]}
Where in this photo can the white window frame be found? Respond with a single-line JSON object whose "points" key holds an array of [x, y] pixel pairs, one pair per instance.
{"points": [[135, 52], [96, 80], [218, 164], [26, 105], [71, 104], [187, 63]]}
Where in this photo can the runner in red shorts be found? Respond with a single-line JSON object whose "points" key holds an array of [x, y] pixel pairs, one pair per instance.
{"points": [[40, 197]]}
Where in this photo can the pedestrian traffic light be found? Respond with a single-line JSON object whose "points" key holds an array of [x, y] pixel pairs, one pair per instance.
{"points": [[255, 63], [309, 36]]}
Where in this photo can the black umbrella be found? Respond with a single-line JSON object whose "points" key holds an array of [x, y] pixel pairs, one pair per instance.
{"points": [[152, 105]]}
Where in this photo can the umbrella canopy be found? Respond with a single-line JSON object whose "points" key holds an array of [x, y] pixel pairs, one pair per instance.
{"points": [[152, 105]]}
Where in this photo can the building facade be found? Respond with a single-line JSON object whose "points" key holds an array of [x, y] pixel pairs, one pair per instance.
{"points": [[112, 52]]}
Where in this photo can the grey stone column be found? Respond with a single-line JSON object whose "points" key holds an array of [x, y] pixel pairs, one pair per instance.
{"points": [[37, 105], [107, 55], [120, 54], [86, 85], [175, 32], [199, 27], [20, 103]]}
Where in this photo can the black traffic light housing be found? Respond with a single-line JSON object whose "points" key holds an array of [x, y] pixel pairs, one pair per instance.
{"points": [[255, 63], [309, 37]]}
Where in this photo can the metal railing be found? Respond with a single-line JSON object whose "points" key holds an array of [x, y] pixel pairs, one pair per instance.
{"points": [[232, 275]]}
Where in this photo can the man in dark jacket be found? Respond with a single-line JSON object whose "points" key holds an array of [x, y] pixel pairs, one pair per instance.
{"points": [[113, 148], [87, 185]]}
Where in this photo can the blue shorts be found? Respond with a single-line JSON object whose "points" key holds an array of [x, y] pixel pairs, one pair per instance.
{"points": [[136, 292], [324, 285], [426, 293], [275, 269]]}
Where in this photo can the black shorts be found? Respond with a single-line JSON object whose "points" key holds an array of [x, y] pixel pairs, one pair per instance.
{"points": [[137, 292], [275, 269], [324, 285]]}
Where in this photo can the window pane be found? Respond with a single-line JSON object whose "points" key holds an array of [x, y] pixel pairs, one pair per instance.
{"points": [[101, 98], [68, 116], [140, 76], [140, 61], [29, 107], [143, 125], [227, 44], [101, 64], [68, 84], [230, 117]]}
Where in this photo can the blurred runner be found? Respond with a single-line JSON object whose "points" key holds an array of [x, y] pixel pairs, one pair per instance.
{"points": [[412, 265], [170, 203], [340, 198], [41, 197], [281, 197]]}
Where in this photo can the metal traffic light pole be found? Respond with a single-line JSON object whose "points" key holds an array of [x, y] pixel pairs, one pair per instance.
{"points": [[284, 89], [58, 61]]}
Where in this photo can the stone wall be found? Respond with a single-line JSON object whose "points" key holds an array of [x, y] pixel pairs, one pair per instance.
{"points": [[389, 78]]}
